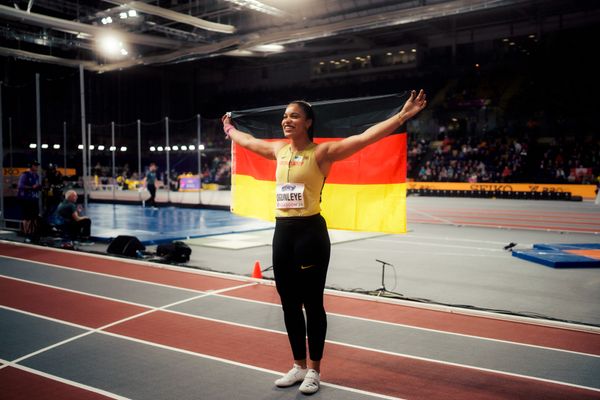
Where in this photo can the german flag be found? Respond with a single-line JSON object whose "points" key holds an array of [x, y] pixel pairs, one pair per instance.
{"points": [[365, 192]]}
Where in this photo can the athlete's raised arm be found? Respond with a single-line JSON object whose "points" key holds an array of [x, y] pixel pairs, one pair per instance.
{"points": [[261, 147], [335, 151]]}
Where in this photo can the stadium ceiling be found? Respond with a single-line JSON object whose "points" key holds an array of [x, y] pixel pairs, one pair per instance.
{"points": [[146, 32]]}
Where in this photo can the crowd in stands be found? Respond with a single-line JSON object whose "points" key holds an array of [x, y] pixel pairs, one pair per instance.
{"points": [[501, 159], [491, 160]]}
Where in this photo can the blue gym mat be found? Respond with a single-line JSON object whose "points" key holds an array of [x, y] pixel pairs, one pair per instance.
{"points": [[165, 224], [556, 256]]}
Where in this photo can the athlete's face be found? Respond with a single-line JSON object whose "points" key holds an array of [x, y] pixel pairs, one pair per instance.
{"points": [[294, 122]]}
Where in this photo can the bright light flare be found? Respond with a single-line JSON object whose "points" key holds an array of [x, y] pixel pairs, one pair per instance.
{"points": [[269, 48], [111, 46]]}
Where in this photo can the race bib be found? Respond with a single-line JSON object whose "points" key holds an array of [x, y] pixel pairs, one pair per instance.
{"points": [[290, 195]]}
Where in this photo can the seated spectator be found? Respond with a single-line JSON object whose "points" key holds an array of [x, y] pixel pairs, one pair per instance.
{"points": [[71, 223]]}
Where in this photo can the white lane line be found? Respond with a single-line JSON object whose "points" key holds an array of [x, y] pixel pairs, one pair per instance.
{"points": [[494, 371], [452, 239], [412, 242], [514, 228], [143, 263], [76, 291], [67, 381], [417, 328], [239, 364], [151, 310], [41, 316], [45, 264], [398, 251], [425, 359], [446, 221], [158, 345]]}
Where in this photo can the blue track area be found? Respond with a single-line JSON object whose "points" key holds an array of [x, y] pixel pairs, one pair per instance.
{"points": [[559, 255], [165, 224]]}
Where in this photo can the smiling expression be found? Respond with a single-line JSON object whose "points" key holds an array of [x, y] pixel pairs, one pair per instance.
{"points": [[294, 122]]}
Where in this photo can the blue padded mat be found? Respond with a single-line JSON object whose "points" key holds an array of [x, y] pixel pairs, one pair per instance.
{"points": [[567, 246], [165, 224], [556, 258]]}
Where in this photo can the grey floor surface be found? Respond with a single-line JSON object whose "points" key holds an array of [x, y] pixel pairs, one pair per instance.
{"points": [[448, 263], [453, 264]]}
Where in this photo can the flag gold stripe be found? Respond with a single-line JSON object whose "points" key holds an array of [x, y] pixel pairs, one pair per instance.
{"points": [[369, 207]]}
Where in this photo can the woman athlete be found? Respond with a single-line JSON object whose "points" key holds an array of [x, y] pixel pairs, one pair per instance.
{"points": [[301, 244]]}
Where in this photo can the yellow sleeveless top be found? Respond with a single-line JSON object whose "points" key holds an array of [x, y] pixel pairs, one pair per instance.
{"points": [[295, 168]]}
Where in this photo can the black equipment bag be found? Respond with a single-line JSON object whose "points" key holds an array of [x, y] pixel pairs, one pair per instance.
{"points": [[125, 246], [176, 251]]}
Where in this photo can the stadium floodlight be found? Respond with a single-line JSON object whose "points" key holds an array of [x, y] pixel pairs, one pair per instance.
{"points": [[258, 6], [123, 15], [107, 20], [111, 46], [268, 48], [201, 147], [175, 148], [159, 148], [192, 147], [123, 148], [101, 147], [56, 146], [32, 146], [132, 13], [167, 148], [184, 147], [44, 146], [112, 148], [152, 148], [80, 147], [91, 147]]}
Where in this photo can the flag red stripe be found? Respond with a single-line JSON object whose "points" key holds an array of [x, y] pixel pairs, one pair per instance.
{"points": [[380, 163]]}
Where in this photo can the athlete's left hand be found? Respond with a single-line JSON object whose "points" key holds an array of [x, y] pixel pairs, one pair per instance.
{"points": [[414, 104]]}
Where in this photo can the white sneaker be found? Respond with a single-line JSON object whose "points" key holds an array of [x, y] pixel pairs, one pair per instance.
{"points": [[293, 376], [311, 382]]}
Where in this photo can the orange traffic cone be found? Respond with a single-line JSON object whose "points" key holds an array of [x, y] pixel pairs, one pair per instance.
{"points": [[257, 273]]}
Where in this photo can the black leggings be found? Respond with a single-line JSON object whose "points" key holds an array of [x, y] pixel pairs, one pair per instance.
{"points": [[301, 250]]}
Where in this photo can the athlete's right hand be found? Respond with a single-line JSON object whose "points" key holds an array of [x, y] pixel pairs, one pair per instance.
{"points": [[226, 119]]}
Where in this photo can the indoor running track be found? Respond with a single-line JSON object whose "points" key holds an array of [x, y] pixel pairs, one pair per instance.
{"points": [[81, 326]]}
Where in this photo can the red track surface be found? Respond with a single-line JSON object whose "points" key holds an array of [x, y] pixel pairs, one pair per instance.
{"points": [[361, 369], [16, 384], [469, 325], [527, 219], [389, 374], [63, 305], [116, 267], [444, 321]]}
